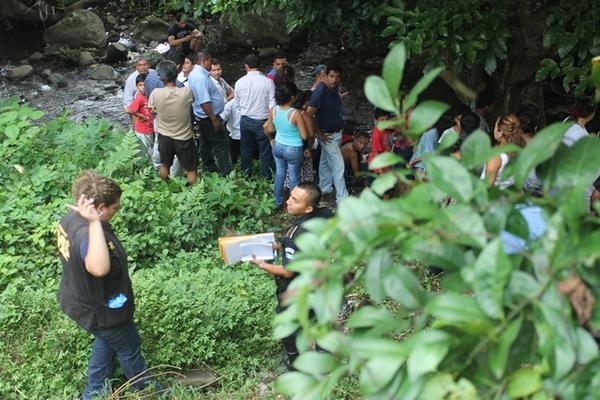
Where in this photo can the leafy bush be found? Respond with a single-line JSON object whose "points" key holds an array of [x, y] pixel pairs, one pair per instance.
{"points": [[500, 328]]}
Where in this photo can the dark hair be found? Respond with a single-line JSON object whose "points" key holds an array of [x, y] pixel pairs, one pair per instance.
{"points": [[140, 78], [215, 61], [284, 93], [202, 55], [469, 121], [191, 57], [529, 115], [176, 57], [279, 56], [180, 16], [252, 61], [302, 97], [583, 108], [364, 134], [285, 75], [484, 99], [102, 189], [167, 70], [313, 191], [460, 109], [333, 67]]}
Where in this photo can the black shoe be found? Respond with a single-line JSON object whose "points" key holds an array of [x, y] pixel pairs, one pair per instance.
{"points": [[288, 361]]}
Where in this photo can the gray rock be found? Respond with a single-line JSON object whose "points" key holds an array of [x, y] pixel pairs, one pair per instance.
{"points": [[86, 58], [116, 52], [46, 73], [111, 20], [267, 52], [24, 62], [81, 28], [20, 72], [150, 29], [251, 29], [104, 72], [153, 44], [52, 51], [57, 80], [37, 56]]}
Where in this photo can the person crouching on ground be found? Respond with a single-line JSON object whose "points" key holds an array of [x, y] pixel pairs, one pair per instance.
{"points": [[95, 290], [303, 204], [174, 123]]}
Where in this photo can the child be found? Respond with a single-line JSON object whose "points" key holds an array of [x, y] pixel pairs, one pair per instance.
{"points": [[143, 119], [387, 140], [231, 118]]}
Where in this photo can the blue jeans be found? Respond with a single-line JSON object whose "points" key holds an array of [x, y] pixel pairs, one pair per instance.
{"points": [[331, 167], [125, 342], [252, 135], [288, 160]]}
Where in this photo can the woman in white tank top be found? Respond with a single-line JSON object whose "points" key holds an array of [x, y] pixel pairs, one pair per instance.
{"points": [[506, 131]]}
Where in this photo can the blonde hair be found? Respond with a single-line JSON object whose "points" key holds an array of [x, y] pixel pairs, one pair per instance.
{"points": [[102, 189], [510, 128]]}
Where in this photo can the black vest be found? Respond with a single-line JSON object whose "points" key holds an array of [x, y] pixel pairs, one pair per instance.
{"points": [[82, 296]]}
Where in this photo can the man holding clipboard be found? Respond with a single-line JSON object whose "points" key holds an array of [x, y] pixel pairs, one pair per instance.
{"points": [[302, 203]]}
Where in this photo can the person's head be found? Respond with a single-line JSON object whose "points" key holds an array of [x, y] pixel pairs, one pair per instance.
{"points": [[484, 102], [469, 122], [167, 71], [333, 74], [204, 59], [141, 65], [529, 114], [279, 61], [584, 110], [105, 192], [215, 69], [140, 82], [181, 20], [177, 57], [381, 115], [285, 94], [188, 64], [319, 72], [304, 199], [285, 74], [251, 61], [361, 140], [508, 130]]}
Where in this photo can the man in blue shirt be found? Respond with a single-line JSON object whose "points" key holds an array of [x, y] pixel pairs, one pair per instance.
{"points": [[208, 104], [326, 107], [427, 144]]}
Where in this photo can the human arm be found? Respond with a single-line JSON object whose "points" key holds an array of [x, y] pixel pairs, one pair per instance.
{"points": [[269, 127], [229, 94], [97, 260], [311, 110], [207, 107], [491, 170], [273, 269], [298, 120], [178, 42]]}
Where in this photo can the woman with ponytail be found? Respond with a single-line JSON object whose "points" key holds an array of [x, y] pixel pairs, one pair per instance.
{"points": [[507, 131]]}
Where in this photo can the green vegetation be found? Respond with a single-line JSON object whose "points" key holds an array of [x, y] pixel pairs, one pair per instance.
{"points": [[192, 311], [500, 328]]}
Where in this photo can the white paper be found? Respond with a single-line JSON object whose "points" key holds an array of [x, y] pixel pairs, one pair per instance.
{"points": [[261, 246]]}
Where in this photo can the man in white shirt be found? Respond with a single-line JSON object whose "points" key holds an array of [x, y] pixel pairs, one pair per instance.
{"points": [[255, 96], [141, 67]]}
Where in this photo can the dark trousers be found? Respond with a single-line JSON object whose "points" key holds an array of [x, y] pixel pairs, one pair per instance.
{"points": [[252, 136], [215, 140], [234, 150]]}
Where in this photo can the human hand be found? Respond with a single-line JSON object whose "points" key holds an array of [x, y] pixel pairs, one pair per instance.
{"points": [[276, 246], [259, 263], [85, 208], [325, 139], [307, 153], [217, 123]]}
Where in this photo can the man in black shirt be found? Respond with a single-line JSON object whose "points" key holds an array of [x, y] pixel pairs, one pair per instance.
{"points": [[184, 36], [302, 203]]}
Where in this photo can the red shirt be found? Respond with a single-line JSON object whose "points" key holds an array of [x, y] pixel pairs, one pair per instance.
{"points": [[140, 105]]}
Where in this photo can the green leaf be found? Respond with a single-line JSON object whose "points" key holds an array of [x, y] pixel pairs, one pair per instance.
{"points": [[369, 316], [442, 386], [524, 382], [393, 69], [491, 273], [377, 93], [420, 86], [573, 166], [401, 285], [459, 311], [498, 355], [563, 339], [462, 224], [448, 175], [425, 115], [539, 149], [378, 262], [425, 358], [587, 348], [448, 141], [475, 150], [316, 363], [384, 160], [522, 286], [384, 182], [295, 383], [377, 373], [12, 132]]}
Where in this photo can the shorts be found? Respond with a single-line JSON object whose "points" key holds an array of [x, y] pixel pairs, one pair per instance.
{"points": [[185, 150]]}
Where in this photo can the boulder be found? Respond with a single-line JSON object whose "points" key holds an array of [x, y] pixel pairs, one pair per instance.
{"points": [[104, 72], [150, 29], [86, 58], [37, 56], [255, 30], [110, 20], [57, 79], [116, 52], [20, 72], [81, 28]]}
